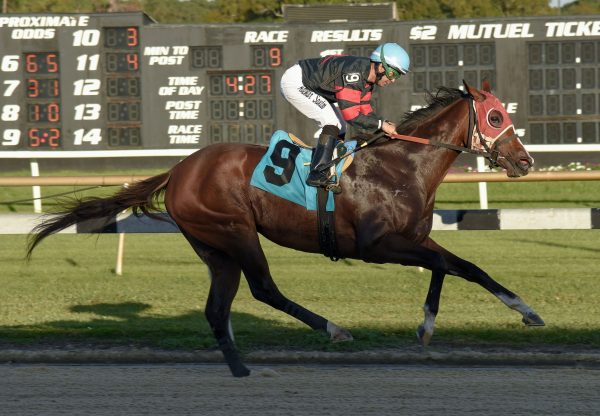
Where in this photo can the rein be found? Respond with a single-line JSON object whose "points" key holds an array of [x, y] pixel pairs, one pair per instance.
{"points": [[490, 154]]}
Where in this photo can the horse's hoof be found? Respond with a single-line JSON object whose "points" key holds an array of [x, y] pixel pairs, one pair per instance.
{"points": [[240, 371], [423, 336], [342, 336], [338, 334], [533, 319]]}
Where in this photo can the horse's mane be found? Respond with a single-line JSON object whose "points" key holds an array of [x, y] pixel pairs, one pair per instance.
{"points": [[435, 102]]}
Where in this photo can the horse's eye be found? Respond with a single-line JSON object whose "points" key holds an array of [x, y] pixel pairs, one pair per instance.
{"points": [[495, 119]]}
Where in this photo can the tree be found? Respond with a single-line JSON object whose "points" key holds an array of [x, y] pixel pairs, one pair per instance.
{"points": [[470, 8], [168, 11], [57, 6], [524, 8], [582, 7], [420, 9], [244, 10]]}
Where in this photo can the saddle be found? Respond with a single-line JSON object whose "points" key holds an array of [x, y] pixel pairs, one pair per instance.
{"points": [[339, 150], [282, 171]]}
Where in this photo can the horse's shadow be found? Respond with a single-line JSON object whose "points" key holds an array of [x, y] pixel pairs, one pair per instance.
{"points": [[132, 324]]}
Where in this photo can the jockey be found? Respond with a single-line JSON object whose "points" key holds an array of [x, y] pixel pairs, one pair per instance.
{"points": [[313, 85]]}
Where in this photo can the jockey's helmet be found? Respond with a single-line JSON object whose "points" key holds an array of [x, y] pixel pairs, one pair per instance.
{"points": [[394, 58]]}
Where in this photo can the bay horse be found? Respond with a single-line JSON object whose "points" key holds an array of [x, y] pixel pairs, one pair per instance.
{"points": [[384, 214]]}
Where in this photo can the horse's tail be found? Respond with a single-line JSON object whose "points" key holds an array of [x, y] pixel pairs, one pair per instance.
{"points": [[142, 197]]}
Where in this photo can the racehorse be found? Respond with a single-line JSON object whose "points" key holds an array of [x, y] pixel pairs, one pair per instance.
{"points": [[384, 214]]}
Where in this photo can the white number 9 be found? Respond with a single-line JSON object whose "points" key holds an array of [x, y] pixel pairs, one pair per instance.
{"points": [[11, 137]]}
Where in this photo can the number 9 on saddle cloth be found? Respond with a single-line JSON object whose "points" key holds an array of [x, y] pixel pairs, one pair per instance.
{"points": [[283, 169]]}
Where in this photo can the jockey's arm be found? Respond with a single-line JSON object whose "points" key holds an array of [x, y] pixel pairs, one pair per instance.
{"points": [[357, 111]]}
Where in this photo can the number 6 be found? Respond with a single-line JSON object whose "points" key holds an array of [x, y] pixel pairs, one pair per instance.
{"points": [[10, 63]]}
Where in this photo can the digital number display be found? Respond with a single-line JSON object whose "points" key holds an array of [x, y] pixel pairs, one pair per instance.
{"points": [[123, 93], [447, 65], [360, 50], [44, 137], [118, 111], [266, 56], [588, 104], [43, 112], [206, 57], [241, 84], [123, 87], [41, 63], [258, 133], [124, 137], [43, 88], [563, 83], [122, 62], [42, 107], [241, 110], [241, 105], [121, 37]]}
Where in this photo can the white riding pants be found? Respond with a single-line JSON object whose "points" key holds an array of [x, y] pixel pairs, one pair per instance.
{"points": [[308, 102]]}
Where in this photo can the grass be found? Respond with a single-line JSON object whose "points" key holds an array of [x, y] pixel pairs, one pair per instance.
{"points": [[521, 195], [69, 292]]}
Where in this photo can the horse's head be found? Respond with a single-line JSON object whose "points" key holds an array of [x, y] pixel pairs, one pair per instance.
{"points": [[494, 132]]}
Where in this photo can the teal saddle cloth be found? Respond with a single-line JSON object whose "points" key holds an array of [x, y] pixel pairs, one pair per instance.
{"points": [[283, 170]]}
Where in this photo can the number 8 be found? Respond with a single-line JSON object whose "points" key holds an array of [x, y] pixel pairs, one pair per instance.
{"points": [[10, 112]]}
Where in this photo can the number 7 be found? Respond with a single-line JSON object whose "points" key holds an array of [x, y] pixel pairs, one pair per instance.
{"points": [[12, 85]]}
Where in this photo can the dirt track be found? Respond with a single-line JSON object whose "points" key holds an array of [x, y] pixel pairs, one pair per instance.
{"points": [[296, 390]]}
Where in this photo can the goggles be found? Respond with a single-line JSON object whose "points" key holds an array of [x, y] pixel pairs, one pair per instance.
{"points": [[390, 72]]}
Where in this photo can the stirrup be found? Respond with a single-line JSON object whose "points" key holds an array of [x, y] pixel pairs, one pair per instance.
{"points": [[334, 187], [320, 181]]}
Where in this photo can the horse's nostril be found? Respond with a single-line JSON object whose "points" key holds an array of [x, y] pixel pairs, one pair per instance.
{"points": [[525, 164]]}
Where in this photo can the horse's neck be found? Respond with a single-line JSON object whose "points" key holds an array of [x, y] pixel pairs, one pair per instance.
{"points": [[437, 160]]}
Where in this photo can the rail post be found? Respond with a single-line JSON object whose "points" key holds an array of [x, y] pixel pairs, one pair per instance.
{"points": [[36, 189], [483, 198]]}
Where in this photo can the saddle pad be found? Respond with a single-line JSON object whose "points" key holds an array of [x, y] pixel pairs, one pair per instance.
{"points": [[283, 170]]}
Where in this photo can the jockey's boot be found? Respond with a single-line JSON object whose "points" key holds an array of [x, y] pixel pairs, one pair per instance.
{"points": [[322, 155]]}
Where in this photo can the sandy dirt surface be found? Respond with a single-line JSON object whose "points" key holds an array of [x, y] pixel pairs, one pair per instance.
{"points": [[196, 389]]}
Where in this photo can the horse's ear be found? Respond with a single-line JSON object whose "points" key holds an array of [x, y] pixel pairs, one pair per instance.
{"points": [[477, 96], [486, 86]]}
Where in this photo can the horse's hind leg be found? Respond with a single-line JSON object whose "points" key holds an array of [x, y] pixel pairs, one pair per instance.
{"points": [[472, 273], [225, 275], [256, 269]]}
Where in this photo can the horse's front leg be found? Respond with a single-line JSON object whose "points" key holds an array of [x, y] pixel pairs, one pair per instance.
{"points": [[431, 307], [394, 248], [472, 273]]}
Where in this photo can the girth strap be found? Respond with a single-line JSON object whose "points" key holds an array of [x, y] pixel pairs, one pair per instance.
{"points": [[326, 227]]}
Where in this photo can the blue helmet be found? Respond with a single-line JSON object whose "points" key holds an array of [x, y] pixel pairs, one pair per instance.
{"points": [[394, 58]]}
